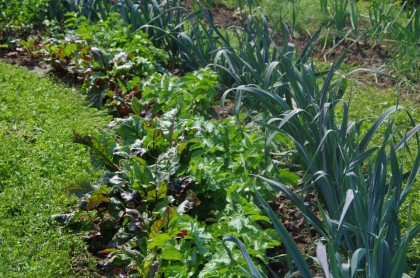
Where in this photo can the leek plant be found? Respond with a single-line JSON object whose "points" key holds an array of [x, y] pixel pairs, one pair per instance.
{"points": [[93, 10], [253, 60], [406, 58], [257, 62], [383, 18], [170, 26], [162, 14], [399, 28], [361, 187], [337, 10]]}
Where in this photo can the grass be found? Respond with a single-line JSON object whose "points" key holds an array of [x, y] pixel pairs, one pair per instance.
{"points": [[37, 161], [369, 102]]}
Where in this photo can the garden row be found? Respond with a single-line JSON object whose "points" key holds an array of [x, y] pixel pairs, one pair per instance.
{"points": [[183, 180]]}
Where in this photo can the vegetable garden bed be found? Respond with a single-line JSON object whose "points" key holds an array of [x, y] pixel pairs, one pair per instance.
{"points": [[182, 183]]}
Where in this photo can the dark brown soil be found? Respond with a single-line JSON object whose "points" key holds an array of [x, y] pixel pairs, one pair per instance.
{"points": [[361, 54], [21, 58], [302, 233], [225, 17]]}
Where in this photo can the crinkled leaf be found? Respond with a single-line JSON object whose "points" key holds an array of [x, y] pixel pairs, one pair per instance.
{"points": [[97, 200], [102, 151], [136, 105], [159, 193], [100, 57], [132, 129]]}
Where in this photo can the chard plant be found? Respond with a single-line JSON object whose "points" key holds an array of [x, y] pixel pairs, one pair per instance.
{"points": [[164, 198], [162, 203], [109, 62]]}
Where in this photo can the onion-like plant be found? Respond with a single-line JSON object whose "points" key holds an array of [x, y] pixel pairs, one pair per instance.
{"points": [[337, 10], [91, 9], [361, 187]]}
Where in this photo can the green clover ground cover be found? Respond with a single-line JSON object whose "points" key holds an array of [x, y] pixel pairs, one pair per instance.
{"points": [[37, 161]]}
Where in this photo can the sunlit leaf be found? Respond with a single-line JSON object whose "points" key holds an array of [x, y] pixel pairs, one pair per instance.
{"points": [[170, 253]]}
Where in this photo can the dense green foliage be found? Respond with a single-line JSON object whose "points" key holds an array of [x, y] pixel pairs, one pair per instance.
{"points": [[182, 183], [38, 160], [165, 191]]}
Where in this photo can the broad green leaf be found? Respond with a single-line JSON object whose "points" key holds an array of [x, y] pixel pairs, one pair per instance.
{"points": [[158, 194], [288, 177], [156, 227], [170, 253], [98, 198], [100, 57], [132, 129], [142, 177], [80, 189], [136, 106], [158, 241]]}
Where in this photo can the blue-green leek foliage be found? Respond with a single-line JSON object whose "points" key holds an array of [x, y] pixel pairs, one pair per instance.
{"points": [[360, 185]]}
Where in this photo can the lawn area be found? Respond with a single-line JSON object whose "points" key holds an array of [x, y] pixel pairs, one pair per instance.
{"points": [[38, 161]]}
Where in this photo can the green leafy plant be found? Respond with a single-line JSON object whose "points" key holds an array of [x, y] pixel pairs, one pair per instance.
{"points": [[164, 181], [112, 77]]}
